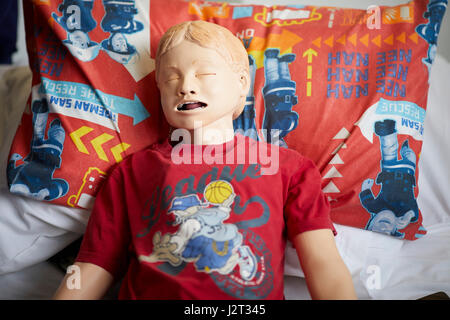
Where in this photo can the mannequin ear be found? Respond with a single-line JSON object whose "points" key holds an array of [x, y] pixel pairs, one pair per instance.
{"points": [[244, 86], [244, 82]]}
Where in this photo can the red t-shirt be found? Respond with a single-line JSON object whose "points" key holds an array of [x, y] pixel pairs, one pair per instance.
{"points": [[204, 222]]}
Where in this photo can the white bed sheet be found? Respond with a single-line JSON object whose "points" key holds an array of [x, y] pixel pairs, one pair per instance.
{"points": [[381, 267]]}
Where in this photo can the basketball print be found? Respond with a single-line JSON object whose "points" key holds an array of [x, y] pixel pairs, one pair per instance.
{"points": [[218, 191]]}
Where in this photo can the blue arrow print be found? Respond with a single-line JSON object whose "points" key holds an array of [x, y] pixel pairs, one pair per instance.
{"points": [[132, 108], [66, 89]]}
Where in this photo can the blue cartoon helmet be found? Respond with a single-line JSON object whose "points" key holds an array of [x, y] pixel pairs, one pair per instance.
{"points": [[119, 17], [118, 48], [384, 128], [182, 203]]}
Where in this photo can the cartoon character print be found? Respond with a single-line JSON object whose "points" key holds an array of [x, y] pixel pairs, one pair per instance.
{"points": [[118, 20], [34, 177], [202, 237], [77, 20], [395, 207], [279, 97], [76, 15], [430, 31]]}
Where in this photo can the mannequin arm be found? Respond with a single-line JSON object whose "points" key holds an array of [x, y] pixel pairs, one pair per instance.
{"points": [[93, 282], [326, 274]]}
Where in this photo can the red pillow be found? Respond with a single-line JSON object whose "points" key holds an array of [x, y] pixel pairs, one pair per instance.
{"points": [[345, 87]]}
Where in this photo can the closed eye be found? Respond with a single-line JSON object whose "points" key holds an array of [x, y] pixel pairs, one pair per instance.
{"points": [[172, 79], [205, 74]]}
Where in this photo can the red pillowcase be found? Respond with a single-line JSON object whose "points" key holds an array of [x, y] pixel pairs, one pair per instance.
{"points": [[346, 88]]}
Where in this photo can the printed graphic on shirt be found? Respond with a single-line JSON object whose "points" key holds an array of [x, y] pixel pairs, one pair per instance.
{"points": [[261, 285], [212, 245]]}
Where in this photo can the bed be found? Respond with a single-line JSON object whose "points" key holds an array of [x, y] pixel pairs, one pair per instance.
{"points": [[382, 267]]}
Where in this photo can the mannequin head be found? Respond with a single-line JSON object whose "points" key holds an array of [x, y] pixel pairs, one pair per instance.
{"points": [[202, 72], [207, 35]]}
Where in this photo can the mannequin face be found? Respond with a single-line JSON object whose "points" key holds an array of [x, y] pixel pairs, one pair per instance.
{"points": [[199, 87]]}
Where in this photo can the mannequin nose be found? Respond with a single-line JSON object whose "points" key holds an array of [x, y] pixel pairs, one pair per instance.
{"points": [[186, 92], [188, 86]]}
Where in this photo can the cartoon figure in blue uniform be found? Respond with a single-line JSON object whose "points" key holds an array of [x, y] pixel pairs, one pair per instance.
{"points": [[34, 177], [279, 97], [203, 238], [430, 31], [245, 123], [119, 20], [395, 207], [77, 20]]}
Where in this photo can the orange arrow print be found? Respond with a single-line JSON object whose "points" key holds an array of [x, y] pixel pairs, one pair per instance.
{"points": [[353, 39]]}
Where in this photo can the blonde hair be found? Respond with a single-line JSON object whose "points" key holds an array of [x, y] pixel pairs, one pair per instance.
{"points": [[207, 35]]}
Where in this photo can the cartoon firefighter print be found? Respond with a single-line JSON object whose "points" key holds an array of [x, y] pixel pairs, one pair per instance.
{"points": [[119, 21], [279, 99], [34, 177], [395, 207], [435, 13], [76, 18], [202, 237]]}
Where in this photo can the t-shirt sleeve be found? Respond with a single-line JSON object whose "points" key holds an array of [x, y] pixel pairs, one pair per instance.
{"points": [[107, 237], [306, 206]]}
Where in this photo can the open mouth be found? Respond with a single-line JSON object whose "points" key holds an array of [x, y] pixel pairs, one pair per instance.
{"points": [[191, 105]]}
